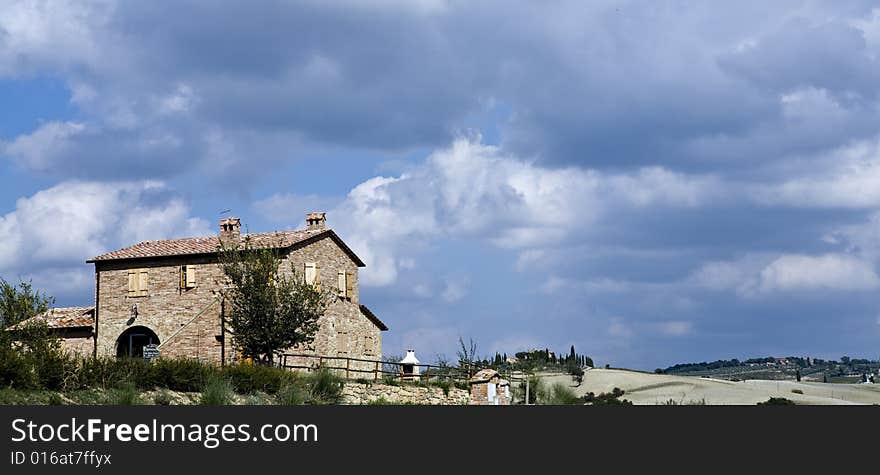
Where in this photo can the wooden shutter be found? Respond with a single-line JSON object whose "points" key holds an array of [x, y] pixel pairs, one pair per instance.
{"points": [[310, 272], [317, 282], [132, 282], [182, 280], [340, 284], [349, 285], [142, 282], [190, 276], [342, 343]]}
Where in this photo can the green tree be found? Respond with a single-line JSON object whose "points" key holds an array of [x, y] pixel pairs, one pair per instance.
{"points": [[18, 303], [267, 310]]}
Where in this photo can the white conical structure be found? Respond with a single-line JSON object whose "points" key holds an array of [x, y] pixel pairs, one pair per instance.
{"points": [[410, 364]]}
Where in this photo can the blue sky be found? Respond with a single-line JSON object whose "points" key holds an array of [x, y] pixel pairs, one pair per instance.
{"points": [[653, 182]]}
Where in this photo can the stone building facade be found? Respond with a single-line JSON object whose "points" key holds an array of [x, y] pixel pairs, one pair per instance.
{"points": [[167, 293]]}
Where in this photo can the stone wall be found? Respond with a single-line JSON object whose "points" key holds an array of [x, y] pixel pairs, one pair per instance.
{"points": [[77, 342], [365, 393]]}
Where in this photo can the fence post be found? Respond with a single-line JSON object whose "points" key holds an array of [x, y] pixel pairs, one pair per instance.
{"points": [[376, 372], [347, 366]]}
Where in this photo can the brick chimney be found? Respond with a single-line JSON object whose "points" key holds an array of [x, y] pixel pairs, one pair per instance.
{"points": [[316, 220], [230, 228]]}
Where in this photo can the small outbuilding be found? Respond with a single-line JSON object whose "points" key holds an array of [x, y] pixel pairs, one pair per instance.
{"points": [[488, 388]]}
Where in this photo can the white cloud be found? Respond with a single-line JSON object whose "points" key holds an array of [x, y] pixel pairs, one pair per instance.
{"points": [[847, 177], [39, 149], [830, 271], [455, 289], [755, 275], [50, 234], [472, 190]]}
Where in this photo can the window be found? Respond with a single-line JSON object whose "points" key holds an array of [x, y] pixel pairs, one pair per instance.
{"points": [[187, 277], [137, 283], [312, 274], [368, 345], [344, 284], [342, 343]]}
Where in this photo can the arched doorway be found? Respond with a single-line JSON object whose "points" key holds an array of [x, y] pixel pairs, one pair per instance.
{"points": [[132, 341]]}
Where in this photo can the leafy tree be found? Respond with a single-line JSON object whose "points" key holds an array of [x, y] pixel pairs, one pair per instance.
{"points": [[267, 310], [18, 303]]}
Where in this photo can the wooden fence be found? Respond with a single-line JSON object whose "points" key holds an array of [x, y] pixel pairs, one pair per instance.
{"points": [[360, 368]]}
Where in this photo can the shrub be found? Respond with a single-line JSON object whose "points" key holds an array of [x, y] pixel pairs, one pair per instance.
{"points": [[797, 391], [125, 395], [560, 395], [444, 385], [248, 379], [379, 401], [177, 374], [537, 391], [607, 399], [777, 401], [325, 387], [216, 392], [292, 394]]}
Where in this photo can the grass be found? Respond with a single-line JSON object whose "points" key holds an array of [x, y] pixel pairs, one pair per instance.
{"points": [[125, 395], [292, 395], [217, 391]]}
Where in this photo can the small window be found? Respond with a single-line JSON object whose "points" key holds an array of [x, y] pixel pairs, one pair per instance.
{"points": [[342, 343], [368, 346], [137, 283], [187, 277], [312, 274]]}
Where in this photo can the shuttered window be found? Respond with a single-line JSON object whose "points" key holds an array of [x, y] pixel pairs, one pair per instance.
{"points": [[137, 283], [187, 277], [342, 343], [312, 274], [341, 284], [349, 285]]}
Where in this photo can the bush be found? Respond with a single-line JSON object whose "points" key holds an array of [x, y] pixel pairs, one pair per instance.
{"points": [[248, 379], [177, 374], [444, 385], [607, 399], [292, 394], [217, 392], [777, 401], [125, 395], [562, 395], [325, 387], [537, 391], [797, 391]]}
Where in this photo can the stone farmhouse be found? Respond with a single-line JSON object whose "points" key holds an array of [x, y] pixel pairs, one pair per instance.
{"points": [[166, 293]]}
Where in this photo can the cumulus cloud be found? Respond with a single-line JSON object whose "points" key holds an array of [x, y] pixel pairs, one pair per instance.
{"points": [[50, 234], [475, 190], [753, 276]]}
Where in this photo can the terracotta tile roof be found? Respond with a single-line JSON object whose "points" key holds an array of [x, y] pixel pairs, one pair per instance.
{"points": [[63, 317], [209, 244], [484, 375], [373, 318]]}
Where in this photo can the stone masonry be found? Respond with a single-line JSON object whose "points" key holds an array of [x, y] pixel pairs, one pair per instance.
{"points": [[186, 318]]}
